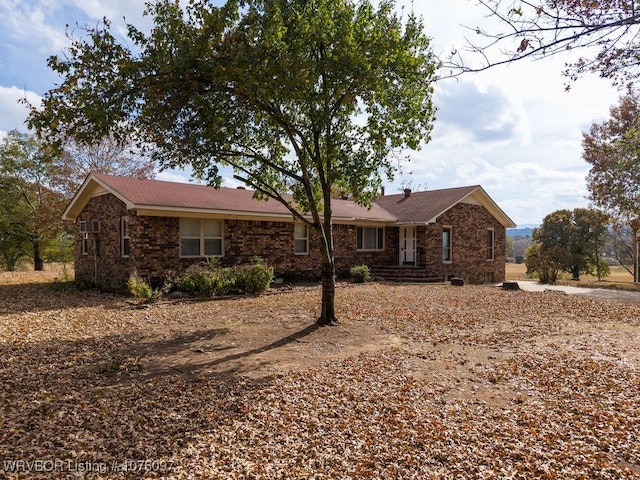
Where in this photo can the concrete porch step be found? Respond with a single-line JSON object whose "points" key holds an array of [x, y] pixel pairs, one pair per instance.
{"points": [[404, 273]]}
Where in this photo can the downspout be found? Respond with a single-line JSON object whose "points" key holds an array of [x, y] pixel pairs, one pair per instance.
{"points": [[95, 262], [636, 263]]}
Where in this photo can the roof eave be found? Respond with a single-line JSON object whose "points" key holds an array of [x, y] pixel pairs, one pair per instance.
{"points": [[412, 223], [157, 210], [492, 207]]}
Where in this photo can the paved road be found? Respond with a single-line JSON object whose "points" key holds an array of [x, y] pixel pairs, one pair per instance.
{"points": [[601, 293]]}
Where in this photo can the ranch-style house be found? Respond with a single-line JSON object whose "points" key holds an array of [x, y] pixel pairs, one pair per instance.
{"points": [[154, 228]]}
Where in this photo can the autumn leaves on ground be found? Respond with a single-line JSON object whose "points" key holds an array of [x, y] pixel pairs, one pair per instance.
{"points": [[420, 381]]}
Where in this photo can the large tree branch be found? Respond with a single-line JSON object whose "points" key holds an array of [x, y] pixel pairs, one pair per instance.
{"points": [[253, 181], [280, 118], [284, 121], [231, 154]]}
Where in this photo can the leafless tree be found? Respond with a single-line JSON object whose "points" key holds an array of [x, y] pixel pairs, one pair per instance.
{"points": [[604, 32]]}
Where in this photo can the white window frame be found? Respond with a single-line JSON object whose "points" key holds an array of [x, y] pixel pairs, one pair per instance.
{"points": [[84, 243], [202, 238], [491, 244], [447, 249], [297, 238], [125, 237], [360, 239]]}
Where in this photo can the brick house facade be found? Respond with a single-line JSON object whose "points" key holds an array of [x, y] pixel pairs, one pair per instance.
{"points": [[149, 227]]}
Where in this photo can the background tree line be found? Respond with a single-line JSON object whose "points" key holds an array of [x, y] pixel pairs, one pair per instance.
{"points": [[37, 182], [574, 241]]}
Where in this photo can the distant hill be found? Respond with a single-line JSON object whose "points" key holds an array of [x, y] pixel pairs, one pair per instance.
{"points": [[519, 232]]}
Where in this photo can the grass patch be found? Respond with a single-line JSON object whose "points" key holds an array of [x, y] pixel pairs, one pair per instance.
{"points": [[619, 278]]}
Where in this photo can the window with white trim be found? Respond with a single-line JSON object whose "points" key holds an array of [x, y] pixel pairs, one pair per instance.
{"points": [[301, 239], [125, 237], [370, 238], [201, 238], [490, 243], [446, 244], [85, 243]]}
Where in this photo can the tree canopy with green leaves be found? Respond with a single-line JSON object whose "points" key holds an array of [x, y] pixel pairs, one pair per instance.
{"points": [[571, 241], [14, 215], [30, 209], [612, 148], [297, 96]]}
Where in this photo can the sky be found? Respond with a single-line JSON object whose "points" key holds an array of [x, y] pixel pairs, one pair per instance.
{"points": [[512, 129]]}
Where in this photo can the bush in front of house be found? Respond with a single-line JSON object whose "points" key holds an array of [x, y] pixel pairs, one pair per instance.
{"points": [[206, 281], [212, 280], [360, 274], [255, 278], [142, 290]]}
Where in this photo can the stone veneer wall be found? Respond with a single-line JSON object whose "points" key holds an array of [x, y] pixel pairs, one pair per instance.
{"points": [[469, 224], [155, 247]]}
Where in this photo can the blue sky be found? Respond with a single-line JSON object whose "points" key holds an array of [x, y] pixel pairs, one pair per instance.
{"points": [[513, 129]]}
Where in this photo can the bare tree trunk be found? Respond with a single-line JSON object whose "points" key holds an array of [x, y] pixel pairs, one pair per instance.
{"points": [[634, 250], [625, 248], [38, 262], [575, 273], [328, 314]]}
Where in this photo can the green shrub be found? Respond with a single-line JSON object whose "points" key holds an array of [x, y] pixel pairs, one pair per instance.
{"points": [[227, 281], [141, 289], [211, 280], [200, 281], [65, 282], [255, 278], [108, 368], [360, 274]]}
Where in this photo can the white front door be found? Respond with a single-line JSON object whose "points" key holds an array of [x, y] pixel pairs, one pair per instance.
{"points": [[407, 245]]}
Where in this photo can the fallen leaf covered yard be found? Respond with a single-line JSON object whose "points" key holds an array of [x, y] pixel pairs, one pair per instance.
{"points": [[155, 228]]}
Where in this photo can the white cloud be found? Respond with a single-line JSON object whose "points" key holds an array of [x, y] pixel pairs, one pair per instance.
{"points": [[12, 113], [475, 114], [30, 24], [185, 176], [527, 191], [119, 12], [178, 176]]}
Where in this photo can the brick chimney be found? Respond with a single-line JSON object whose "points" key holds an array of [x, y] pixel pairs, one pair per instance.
{"points": [[382, 191], [407, 192]]}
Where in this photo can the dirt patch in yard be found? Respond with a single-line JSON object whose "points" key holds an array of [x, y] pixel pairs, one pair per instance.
{"points": [[238, 343]]}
